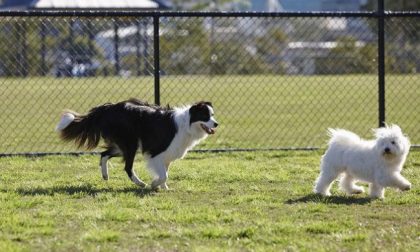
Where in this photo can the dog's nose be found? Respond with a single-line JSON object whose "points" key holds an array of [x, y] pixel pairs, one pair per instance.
{"points": [[215, 124], [387, 150]]}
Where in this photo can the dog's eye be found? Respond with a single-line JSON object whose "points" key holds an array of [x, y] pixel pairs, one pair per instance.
{"points": [[393, 142]]}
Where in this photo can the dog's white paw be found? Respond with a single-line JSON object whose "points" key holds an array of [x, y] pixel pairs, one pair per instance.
{"points": [[322, 193], [164, 186], [405, 187], [357, 190], [381, 197]]}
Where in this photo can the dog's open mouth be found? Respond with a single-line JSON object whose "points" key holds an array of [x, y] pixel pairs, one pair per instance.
{"points": [[208, 130]]}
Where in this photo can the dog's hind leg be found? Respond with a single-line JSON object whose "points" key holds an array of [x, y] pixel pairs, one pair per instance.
{"points": [[325, 179], [129, 155], [376, 191], [105, 156], [348, 185]]}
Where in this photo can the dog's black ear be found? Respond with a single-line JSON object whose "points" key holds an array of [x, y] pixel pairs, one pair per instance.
{"points": [[199, 106], [193, 108], [200, 111]]}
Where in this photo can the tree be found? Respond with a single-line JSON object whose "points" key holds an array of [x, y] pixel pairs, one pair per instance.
{"points": [[402, 35], [393, 5], [399, 28], [348, 58], [184, 46]]}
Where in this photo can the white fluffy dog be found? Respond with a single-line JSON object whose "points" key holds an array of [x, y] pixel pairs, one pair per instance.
{"points": [[378, 162]]}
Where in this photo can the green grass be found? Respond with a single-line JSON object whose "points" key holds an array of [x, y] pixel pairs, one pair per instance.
{"points": [[254, 111], [243, 201]]}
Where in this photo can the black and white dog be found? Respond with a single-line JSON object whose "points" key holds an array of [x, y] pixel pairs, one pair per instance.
{"points": [[161, 134]]}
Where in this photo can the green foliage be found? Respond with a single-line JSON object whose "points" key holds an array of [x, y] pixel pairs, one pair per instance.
{"points": [[231, 57], [349, 58], [401, 34], [21, 45], [184, 49], [239, 201], [203, 46], [17, 47], [394, 5], [190, 49], [271, 46]]}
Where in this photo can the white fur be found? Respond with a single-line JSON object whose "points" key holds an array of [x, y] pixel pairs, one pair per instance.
{"points": [[378, 162], [185, 139], [104, 167], [212, 121], [65, 121]]}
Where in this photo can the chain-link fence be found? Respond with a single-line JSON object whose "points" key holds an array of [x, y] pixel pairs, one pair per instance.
{"points": [[277, 80]]}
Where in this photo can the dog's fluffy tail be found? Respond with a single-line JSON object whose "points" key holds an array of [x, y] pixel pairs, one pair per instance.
{"points": [[84, 130], [342, 137]]}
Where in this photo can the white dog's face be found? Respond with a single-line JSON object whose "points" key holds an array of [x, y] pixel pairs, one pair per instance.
{"points": [[391, 142]]}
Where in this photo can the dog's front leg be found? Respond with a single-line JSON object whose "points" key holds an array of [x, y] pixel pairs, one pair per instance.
{"points": [[376, 191], [157, 166], [164, 185], [400, 182], [129, 160]]}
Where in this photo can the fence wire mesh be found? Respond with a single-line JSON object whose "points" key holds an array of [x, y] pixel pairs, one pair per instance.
{"points": [[275, 82]]}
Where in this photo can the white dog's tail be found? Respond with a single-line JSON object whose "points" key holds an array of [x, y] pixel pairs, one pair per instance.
{"points": [[342, 137]]}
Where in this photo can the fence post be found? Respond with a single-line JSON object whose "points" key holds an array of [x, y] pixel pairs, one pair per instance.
{"points": [[381, 62], [138, 46], [23, 45], [116, 48], [43, 33], [156, 57]]}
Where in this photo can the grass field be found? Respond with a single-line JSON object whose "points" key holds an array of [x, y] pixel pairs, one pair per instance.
{"points": [[243, 201], [253, 111], [239, 201]]}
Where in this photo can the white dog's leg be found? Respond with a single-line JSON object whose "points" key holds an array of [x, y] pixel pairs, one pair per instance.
{"points": [[324, 181], [157, 166], [323, 184], [400, 182], [347, 184], [328, 174], [376, 191]]}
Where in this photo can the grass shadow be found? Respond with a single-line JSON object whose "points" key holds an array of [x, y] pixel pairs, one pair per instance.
{"points": [[341, 200], [86, 189]]}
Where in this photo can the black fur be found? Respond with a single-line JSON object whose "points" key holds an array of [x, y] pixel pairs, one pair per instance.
{"points": [[126, 125], [122, 126], [199, 112]]}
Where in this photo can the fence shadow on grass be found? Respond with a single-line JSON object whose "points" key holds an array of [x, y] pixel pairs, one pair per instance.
{"points": [[341, 200], [82, 190]]}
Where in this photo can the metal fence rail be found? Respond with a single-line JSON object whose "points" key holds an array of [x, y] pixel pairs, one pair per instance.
{"points": [[277, 80]]}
